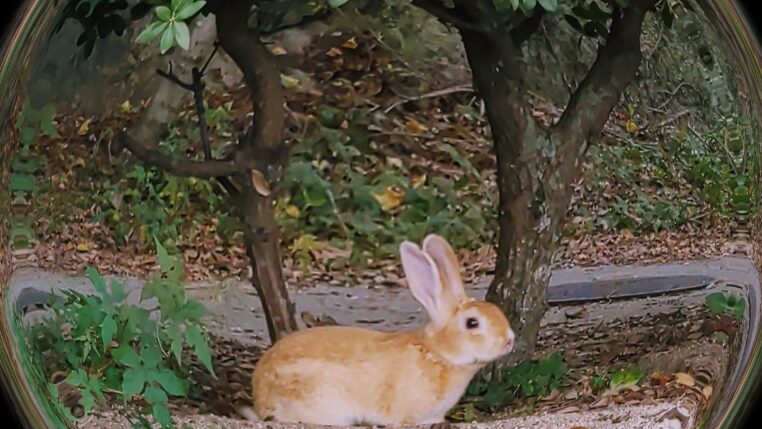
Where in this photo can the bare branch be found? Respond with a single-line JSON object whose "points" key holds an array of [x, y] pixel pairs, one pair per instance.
{"points": [[197, 87], [211, 56], [172, 77], [198, 98], [179, 166], [614, 68]]}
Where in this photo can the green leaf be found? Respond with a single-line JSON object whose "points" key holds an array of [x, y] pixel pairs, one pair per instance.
{"points": [[178, 4], [170, 382], [133, 383], [87, 400], [154, 395], [189, 10], [96, 387], [151, 356], [113, 377], [198, 341], [86, 348], [75, 378], [716, 302], [529, 4], [194, 310], [23, 183], [163, 13], [719, 303], [47, 121], [167, 39], [549, 5], [165, 261], [125, 355], [117, 291], [99, 283], [151, 32], [337, 3], [738, 308], [28, 166], [626, 377], [161, 414], [182, 35], [108, 329], [28, 135], [173, 331]]}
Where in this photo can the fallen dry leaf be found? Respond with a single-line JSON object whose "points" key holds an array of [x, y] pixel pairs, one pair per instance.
{"points": [[391, 198], [707, 391], [293, 211], [685, 379], [278, 50], [84, 128], [259, 183], [660, 379], [414, 126], [288, 82]]}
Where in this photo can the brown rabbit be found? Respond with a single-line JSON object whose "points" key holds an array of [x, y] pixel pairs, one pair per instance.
{"points": [[337, 375]]}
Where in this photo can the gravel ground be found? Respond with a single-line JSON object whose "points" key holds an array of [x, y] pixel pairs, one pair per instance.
{"points": [[666, 415]]}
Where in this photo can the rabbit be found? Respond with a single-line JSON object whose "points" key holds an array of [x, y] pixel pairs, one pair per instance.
{"points": [[341, 375]]}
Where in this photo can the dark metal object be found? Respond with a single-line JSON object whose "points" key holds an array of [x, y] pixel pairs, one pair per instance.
{"points": [[624, 288]]}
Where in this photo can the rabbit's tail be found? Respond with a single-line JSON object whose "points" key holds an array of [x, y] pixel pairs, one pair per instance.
{"points": [[248, 413]]}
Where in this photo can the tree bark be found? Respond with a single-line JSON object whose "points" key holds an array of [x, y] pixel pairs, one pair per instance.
{"points": [[263, 247], [259, 158], [528, 206], [264, 146], [536, 166]]}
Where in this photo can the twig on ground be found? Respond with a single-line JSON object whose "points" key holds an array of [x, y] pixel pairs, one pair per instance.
{"points": [[671, 119], [673, 94], [433, 94], [728, 155]]}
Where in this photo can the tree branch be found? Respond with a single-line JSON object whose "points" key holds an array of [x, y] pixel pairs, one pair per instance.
{"points": [[448, 15], [528, 27], [197, 87], [178, 166], [172, 77], [198, 98], [261, 76], [614, 68]]}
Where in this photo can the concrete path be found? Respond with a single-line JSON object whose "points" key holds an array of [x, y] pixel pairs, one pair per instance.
{"points": [[237, 311]]}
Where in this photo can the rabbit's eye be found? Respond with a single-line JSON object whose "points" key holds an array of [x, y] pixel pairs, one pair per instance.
{"points": [[472, 323]]}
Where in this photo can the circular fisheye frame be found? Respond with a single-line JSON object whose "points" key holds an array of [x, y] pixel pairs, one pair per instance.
{"points": [[247, 213]]}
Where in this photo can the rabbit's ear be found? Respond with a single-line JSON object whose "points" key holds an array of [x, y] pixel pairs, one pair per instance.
{"points": [[424, 280], [449, 267]]}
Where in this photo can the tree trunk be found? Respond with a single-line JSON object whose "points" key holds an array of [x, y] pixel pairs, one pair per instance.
{"points": [[263, 247], [266, 153], [536, 166], [531, 208]]}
